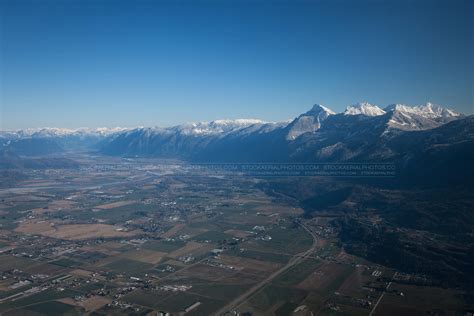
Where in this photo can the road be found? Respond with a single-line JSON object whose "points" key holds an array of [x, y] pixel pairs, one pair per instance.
{"points": [[381, 296], [234, 304]]}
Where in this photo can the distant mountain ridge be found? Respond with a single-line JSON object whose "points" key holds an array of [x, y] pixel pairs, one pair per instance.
{"points": [[43, 141], [417, 140], [397, 134], [319, 134], [60, 132]]}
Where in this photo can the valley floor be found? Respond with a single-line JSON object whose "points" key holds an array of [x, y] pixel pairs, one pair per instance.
{"points": [[137, 237]]}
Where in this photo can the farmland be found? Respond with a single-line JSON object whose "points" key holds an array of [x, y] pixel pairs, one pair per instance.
{"points": [[134, 236]]}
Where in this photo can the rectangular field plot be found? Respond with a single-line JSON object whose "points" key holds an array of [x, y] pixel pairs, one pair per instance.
{"points": [[354, 283], [87, 256], [250, 265], [67, 263], [418, 300], [147, 298], [212, 236], [163, 245], [54, 308], [206, 272], [224, 292], [286, 240], [144, 255], [295, 237], [45, 296], [272, 296], [326, 278], [112, 205], [221, 225], [74, 231], [8, 262], [260, 255], [191, 248], [179, 302], [128, 266], [298, 273]]}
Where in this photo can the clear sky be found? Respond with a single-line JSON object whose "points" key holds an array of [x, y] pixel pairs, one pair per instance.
{"points": [[77, 63]]}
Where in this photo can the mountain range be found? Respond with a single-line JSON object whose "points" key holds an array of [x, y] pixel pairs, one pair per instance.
{"points": [[408, 136], [363, 132]]}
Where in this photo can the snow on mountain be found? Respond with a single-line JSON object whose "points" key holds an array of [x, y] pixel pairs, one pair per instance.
{"points": [[428, 110], [318, 108], [398, 116], [216, 127], [364, 108], [308, 122], [435, 111], [61, 132], [422, 117], [319, 133]]}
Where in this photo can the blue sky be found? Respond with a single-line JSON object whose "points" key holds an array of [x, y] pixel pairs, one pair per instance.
{"points": [[157, 63]]}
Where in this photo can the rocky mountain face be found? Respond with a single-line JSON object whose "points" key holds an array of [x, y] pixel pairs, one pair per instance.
{"points": [[362, 131], [308, 122], [413, 138]]}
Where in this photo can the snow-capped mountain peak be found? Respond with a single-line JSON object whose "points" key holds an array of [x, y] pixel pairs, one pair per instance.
{"points": [[364, 108], [428, 110], [320, 108], [241, 122], [422, 117], [398, 107], [216, 127], [435, 111], [308, 122]]}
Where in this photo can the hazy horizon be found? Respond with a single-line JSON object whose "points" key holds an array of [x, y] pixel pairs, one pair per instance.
{"points": [[187, 122]]}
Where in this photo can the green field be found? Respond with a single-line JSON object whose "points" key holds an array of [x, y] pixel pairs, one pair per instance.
{"points": [[54, 308], [180, 301], [129, 266], [297, 273], [262, 256], [219, 291], [163, 245], [147, 298], [64, 262], [213, 236], [272, 294], [45, 296]]}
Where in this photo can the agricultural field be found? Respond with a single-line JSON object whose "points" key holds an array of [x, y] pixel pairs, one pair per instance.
{"points": [[137, 238]]}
